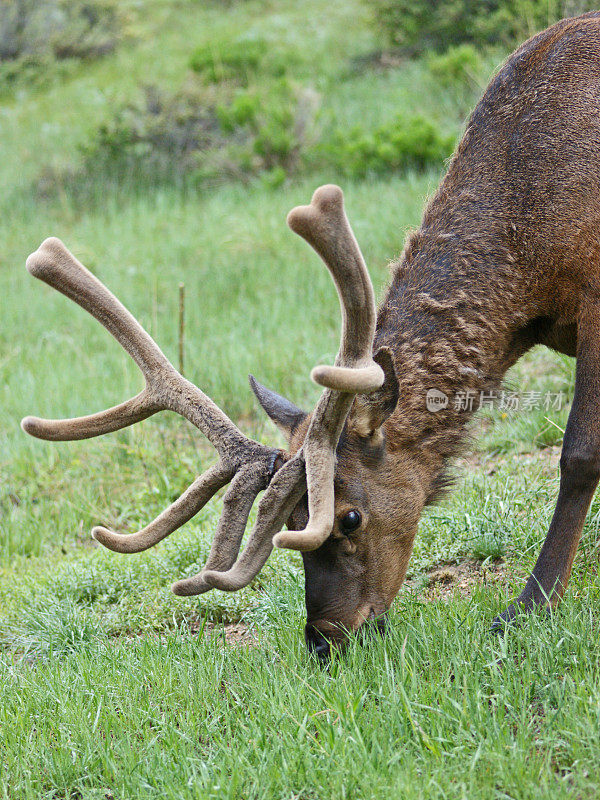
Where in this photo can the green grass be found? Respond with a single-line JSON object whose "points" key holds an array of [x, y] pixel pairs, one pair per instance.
{"points": [[107, 690], [438, 710]]}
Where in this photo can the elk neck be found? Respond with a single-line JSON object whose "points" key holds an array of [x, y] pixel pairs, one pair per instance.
{"points": [[455, 317]]}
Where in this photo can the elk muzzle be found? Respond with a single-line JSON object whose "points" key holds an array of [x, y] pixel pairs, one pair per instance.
{"points": [[321, 636]]}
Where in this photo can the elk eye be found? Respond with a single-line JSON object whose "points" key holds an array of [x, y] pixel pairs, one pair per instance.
{"points": [[350, 521]]}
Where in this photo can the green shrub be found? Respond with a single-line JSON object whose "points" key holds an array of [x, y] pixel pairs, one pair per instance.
{"points": [[268, 132], [274, 125], [39, 41], [60, 28], [27, 69], [240, 60], [243, 110], [421, 25], [459, 67], [164, 132], [413, 142], [91, 29], [184, 135]]}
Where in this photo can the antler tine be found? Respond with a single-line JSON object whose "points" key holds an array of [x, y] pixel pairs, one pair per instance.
{"points": [[113, 419], [165, 389], [319, 452], [56, 266], [324, 225], [177, 514], [282, 495], [237, 504]]}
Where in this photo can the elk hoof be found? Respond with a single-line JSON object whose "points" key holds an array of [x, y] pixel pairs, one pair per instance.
{"points": [[503, 620], [513, 615]]}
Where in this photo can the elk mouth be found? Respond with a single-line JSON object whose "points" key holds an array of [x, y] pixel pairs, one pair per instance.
{"points": [[322, 637], [317, 643]]}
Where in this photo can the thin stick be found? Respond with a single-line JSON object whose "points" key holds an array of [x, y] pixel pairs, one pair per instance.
{"points": [[562, 430], [181, 325]]}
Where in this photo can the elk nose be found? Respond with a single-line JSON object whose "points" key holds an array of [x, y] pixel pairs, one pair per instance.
{"points": [[316, 642], [377, 623], [374, 624]]}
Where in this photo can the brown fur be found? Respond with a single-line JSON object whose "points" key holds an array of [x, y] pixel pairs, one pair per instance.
{"points": [[507, 256]]}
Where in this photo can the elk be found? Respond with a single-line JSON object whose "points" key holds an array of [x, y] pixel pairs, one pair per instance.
{"points": [[507, 257]]}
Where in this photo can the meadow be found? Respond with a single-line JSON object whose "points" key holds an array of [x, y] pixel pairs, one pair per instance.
{"points": [[110, 686]]}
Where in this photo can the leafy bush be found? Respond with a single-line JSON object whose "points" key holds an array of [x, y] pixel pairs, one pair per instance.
{"points": [[39, 40], [91, 29], [185, 135], [278, 127], [239, 60], [60, 28], [27, 69], [268, 132], [460, 66], [421, 25], [401, 144], [174, 126]]}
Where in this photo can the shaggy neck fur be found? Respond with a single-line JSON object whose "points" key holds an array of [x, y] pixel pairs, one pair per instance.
{"points": [[440, 319]]}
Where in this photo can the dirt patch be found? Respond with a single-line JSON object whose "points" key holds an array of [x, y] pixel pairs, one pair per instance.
{"points": [[445, 579], [234, 635]]}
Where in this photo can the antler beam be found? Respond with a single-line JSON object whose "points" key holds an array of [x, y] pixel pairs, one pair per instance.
{"points": [[165, 389], [248, 465], [324, 225]]}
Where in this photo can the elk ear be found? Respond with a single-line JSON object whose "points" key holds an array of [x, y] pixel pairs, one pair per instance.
{"points": [[284, 414], [371, 410]]}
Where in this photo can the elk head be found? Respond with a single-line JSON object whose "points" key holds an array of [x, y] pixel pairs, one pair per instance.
{"points": [[337, 487], [354, 575]]}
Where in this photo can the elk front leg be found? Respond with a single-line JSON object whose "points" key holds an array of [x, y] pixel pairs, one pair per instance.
{"points": [[579, 476]]}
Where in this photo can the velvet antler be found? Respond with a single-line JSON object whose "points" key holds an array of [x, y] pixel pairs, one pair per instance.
{"points": [[248, 465], [325, 227]]}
